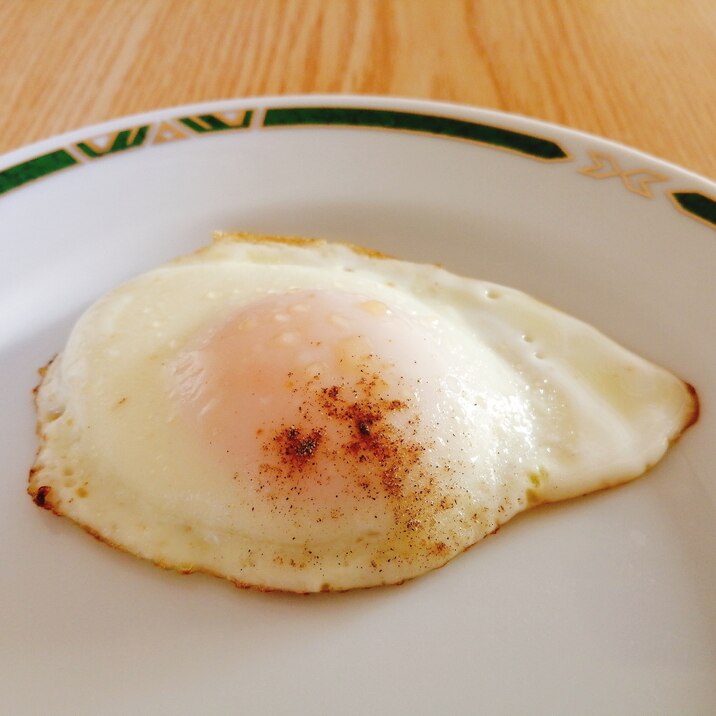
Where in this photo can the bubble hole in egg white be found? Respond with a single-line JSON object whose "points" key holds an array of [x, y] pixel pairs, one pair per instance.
{"points": [[297, 415]]}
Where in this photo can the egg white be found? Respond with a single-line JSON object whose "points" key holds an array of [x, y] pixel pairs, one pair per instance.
{"points": [[525, 405]]}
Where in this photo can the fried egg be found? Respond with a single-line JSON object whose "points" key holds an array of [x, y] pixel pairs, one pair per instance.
{"points": [[298, 415]]}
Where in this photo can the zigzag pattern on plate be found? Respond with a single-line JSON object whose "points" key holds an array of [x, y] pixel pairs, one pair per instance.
{"points": [[693, 204]]}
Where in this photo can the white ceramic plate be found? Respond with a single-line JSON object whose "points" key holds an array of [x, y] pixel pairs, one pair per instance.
{"points": [[600, 605]]}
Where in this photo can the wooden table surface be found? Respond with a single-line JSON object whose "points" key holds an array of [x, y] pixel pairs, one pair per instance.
{"points": [[642, 72]]}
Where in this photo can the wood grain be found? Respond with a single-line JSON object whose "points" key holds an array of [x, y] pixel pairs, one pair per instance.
{"points": [[641, 72]]}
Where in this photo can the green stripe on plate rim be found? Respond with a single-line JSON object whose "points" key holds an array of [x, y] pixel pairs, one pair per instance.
{"points": [[213, 123], [32, 169], [125, 139], [697, 204], [524, 144]]}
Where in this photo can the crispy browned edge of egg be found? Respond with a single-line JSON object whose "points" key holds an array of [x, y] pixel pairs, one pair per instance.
{"points": [[41, 494]]}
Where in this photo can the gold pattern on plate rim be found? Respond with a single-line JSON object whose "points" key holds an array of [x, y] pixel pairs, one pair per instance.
{"points": [[637, 181], [167, 132]]}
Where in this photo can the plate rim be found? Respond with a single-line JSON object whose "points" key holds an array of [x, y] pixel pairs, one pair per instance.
{"points": [[690, 194], [367, 101]]}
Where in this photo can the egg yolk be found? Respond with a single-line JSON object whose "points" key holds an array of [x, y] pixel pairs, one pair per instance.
{"points": [[311, 395]]}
